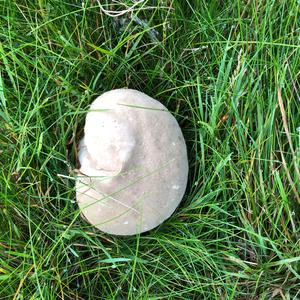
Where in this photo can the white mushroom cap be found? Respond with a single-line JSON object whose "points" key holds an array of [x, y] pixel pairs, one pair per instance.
{"points": [[133, 162]]}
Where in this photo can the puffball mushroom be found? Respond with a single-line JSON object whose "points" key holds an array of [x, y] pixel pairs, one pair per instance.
{"points": [[134, 164]]}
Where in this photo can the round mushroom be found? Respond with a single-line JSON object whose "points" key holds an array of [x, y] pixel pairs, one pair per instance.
{"points": [[134, 164]]}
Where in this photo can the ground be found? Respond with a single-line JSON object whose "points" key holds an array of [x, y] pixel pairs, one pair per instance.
{"points": [[228, 71]]}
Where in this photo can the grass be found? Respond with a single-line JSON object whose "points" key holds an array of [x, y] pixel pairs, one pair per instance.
{"points": [[228, 71]]}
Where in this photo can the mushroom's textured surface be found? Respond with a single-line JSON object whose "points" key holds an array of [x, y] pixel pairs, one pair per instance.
{"points": [[134, 163]]}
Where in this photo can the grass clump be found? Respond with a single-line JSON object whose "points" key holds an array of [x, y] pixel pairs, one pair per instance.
{"points": [[228, 71]]}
